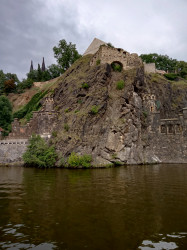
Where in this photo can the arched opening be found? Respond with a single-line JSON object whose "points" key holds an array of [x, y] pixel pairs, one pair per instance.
{"points": [[163, 129], [117, 66]]}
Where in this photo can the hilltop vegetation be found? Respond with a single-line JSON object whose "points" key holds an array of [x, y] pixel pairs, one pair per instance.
{"points": [[164, 62]]}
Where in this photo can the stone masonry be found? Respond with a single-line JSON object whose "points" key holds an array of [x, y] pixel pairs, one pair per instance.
{"points": [[42, 123], [107, 54]]}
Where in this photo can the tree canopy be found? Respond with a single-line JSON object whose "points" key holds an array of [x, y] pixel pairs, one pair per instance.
{"points": [[39, 153], [5, 113], [164, 62], [66, 54]]}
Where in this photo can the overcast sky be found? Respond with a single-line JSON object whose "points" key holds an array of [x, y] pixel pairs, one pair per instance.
{"points": [[29, 29]]}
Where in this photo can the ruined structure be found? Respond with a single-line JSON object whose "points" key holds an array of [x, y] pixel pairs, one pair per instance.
{"points": [[107, 54], [42, 123], [151, 68]]}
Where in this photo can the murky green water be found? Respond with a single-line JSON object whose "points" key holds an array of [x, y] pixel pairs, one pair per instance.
{"points": [[135, 207]]}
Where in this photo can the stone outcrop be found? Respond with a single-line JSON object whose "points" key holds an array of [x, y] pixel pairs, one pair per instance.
{"points": [[143, 122]]}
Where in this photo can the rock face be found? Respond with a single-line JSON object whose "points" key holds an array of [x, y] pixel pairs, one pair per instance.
{"points": [[126, 117], [120, 130]]}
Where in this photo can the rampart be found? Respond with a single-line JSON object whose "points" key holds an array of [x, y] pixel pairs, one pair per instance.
{"points": [[42, 123], [166, 140], [11, 151], [107, 54]]}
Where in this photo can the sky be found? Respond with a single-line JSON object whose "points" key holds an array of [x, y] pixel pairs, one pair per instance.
{"points": [[29, 29]]}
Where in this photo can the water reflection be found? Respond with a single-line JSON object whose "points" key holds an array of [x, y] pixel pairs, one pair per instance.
{"points": [[135, 207]]}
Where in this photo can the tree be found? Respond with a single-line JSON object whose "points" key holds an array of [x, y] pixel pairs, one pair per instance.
{"points": [[162, 62], [25, 84], [2, 80], [39, 154], [8, 82], [33, 75], [66, 54], [54, 71], [9, 86], [5, 113]]}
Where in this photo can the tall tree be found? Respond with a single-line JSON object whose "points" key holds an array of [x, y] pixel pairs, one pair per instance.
{"points": [[5, 113], [66, 54]]}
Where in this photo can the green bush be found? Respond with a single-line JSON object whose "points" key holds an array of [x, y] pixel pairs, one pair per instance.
{"points": [[94, 109], [76, 160], [32, 105], [85, 86], [66, 127], [39, 154], [79, 101], [98, 62], [120, 85], [171, 76], [66, 110], [54, 133], [116, 66]]}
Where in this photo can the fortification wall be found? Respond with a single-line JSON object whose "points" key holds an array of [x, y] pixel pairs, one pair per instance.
{"points": [[149, 67], [11, 151], [109, 55]]}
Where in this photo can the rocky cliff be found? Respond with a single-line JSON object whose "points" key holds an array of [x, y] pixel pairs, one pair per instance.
{"points": [[126, 117], [111, 124]]}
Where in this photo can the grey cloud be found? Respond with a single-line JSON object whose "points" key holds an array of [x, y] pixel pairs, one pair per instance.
{"points": [[30, 29]]}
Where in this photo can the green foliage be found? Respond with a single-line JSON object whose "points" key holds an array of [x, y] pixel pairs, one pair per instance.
{"points": [[76, 111], [120, 85], [66, 127], [98, 62], [66, 54], [171, 76], [32, 105], [66, 110], [116, 66], [76, 160], [110, 45], [114, 155], [5, 113], [54, 71], [25, 84], [5, 79], [162, 62], [94, 109], [54, 133], [79, 101], [85, 85], [145, 114], [182, 69], [39, 154]]}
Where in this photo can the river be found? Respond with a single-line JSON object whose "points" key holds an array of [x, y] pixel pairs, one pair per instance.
{"points": [[132, 207]]}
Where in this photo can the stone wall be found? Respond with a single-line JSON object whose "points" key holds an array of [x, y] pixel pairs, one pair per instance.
{"points": [[42, 123], [149, 68], [109, 55], [11, 151]]}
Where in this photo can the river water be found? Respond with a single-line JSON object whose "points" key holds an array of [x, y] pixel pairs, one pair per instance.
{"points": [[133, 207]]}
